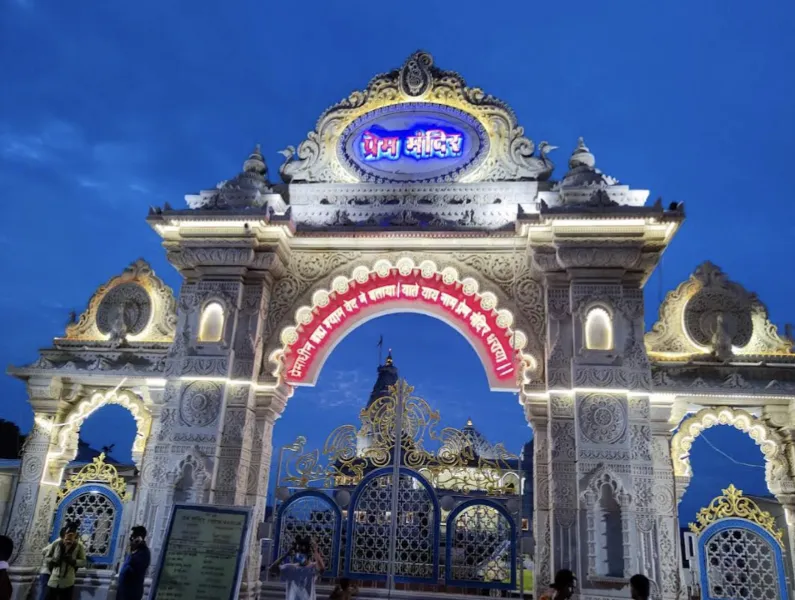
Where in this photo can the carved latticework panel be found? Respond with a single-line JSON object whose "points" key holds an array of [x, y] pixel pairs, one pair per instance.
{"points": [[480, 546], [314, 516], [740, 565], [415, 530], [740, 550]]}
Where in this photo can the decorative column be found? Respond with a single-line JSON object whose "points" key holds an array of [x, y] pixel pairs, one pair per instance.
{"points": [[40, 477], [596, 245], [661, 555], [215, 430], [563, 504], [536, 413], [269, 406]]}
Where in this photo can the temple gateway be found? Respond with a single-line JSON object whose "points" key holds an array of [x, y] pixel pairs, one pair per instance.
{"points": [[421, 194]]}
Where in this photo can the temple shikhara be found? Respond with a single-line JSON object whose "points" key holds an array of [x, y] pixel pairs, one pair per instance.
{"points": [[419, 193]]}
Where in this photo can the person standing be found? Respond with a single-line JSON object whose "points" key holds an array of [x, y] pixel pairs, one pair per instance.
{"points": [[68, 556], [563, 587], [6, 550], [640, 587], [133, 571], [46, 569], [301, 574]]}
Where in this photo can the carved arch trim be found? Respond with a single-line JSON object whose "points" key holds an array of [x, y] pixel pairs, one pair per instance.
{"points": [[162, 321], [73, 421], [767, 438], [510, 357], [597, 479]]}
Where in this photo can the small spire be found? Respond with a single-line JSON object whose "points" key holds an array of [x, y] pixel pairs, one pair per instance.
{"points": [[469, 423], [255, 162], [389, 358], [582, 157]]}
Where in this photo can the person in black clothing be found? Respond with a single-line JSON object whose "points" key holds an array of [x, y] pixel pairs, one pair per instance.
{"points": [[640, 587], [6, 549], [133, 571]]}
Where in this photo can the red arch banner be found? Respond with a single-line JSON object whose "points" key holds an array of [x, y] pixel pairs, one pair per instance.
{"points": [[478, 324]]}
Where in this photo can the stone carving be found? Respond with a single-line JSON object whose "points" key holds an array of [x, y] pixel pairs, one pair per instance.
{"points": [[200, 403], [248, 190], [192, 477], [602, 418], [137, 300], [510, 158], [127, 304], [709, 315]]}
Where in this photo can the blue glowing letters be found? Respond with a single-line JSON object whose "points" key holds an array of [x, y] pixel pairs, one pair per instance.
{"points": [[421, 145]]}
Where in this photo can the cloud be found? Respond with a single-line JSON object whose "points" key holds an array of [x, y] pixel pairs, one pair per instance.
{"points": [[95, 166], [347, 388]]}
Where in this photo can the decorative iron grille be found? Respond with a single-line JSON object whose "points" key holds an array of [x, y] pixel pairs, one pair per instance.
{"points": [[311, 514], [97, 517], [481, 545], [741, 565], [416, 529]]}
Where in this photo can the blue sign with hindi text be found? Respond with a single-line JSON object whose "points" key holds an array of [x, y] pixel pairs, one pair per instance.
{"points": [[413, 142]]}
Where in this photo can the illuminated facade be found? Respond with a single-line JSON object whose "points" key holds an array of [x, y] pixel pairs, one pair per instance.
{"points": [[421, 194]]}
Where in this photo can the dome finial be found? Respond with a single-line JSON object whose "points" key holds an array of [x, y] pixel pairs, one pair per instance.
{"points": [[255, 162], [389, 358], [469, 423], [582, 156]]}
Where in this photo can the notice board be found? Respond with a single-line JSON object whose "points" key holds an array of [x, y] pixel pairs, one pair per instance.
{"points": [[203, 554]]}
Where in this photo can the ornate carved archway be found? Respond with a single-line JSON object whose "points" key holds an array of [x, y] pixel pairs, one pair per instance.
{"points": [[73, 421], [767, 438], [511, 354]]}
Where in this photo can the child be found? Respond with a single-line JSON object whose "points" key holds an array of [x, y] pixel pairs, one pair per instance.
{"points": [[343, 590]]}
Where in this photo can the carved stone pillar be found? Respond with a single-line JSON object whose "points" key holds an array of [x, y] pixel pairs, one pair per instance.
{"points": [[563, 503], [268, 408], [536, 413], [40, 476], [150, 501], [662, 554]]}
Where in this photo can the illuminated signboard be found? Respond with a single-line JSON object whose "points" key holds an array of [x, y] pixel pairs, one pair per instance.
{"points": [[420, 144], [444, 298], [413, 142]]}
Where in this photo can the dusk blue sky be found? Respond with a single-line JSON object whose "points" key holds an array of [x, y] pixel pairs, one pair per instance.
{"points": [[108, 107]]}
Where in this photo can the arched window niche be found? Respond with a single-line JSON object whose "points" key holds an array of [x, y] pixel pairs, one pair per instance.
{"points": [[598, 329], [606, 507], [211, 323]]}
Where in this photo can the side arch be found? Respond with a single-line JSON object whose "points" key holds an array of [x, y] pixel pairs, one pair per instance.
{"points": [[98, 511], [767, 438], [419, 558], [73, 420], [499, 517], [510, 357], [310, 506], [718, 546]]}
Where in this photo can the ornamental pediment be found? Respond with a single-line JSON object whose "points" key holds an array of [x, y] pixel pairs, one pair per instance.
{"points": [[711, 318], [417, 124]]}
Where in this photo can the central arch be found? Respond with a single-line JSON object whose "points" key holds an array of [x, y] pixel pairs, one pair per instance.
{"points": [[405, 287]]}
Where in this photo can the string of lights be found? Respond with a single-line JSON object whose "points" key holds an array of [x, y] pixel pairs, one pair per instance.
{"points": [[734, 460]]}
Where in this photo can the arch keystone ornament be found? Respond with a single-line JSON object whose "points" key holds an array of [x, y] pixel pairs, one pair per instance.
{"points": [[97, 471], [405, 287], [733, 504]]}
